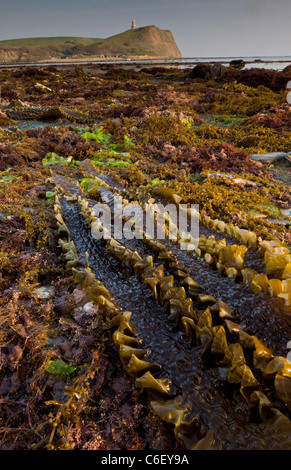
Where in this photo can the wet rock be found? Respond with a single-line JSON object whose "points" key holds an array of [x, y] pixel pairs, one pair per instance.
{"points": [[269, 157], [246, 183], [44, 292], [240, 181], [286, 212], [282, 222]]}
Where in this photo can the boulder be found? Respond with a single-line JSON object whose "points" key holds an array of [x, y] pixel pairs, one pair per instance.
{"points": [[207, 71], [237, 63], [200, 71], [270, 157], [217, 70], [255, 77]]}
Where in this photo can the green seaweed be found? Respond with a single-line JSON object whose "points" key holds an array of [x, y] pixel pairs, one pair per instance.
{"points": [[127, 142], [98, 135], [157, 182], [50, 195], [89, 184], [111, 158], [5, 178], [60, 368], [52, 158]]}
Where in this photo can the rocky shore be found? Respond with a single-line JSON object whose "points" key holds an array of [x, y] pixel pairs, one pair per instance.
{"points": [[137, 344]]}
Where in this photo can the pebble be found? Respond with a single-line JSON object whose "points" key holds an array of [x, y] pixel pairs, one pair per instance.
{"points": [[88, 307]]}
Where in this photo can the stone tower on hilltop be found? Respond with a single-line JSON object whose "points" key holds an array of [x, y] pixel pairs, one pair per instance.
{"points": [[133, 25]]}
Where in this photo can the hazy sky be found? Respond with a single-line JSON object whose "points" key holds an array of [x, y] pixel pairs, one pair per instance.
{"points": [[202, 28]]}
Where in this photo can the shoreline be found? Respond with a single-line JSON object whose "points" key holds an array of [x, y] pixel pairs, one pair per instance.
{"points": [[184, 61]]}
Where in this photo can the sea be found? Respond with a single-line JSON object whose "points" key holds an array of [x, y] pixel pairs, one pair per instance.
{"points": [[265, 62], [277, 63]]}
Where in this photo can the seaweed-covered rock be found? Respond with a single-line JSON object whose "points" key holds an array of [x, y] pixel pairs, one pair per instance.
{"points": [[200, 71], [255, 77], [207, 71], [217, 70], [237, 63]]}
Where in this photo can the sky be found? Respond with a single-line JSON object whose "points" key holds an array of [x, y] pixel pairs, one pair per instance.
{"points": [[201, 28]]}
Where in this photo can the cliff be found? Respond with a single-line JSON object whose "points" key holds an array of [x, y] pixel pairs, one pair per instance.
{"points": [[148, 41]]}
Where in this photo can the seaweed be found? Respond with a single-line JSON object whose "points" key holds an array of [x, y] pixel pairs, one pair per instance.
{"points": [[59, 367], [203, 348], [53, 159]]}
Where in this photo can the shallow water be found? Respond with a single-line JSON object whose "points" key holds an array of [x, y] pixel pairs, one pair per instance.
{"points": [[29, 124]]}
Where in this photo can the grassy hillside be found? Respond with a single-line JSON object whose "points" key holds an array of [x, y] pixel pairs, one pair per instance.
{"points": [[48, 42], [146, 41]]}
